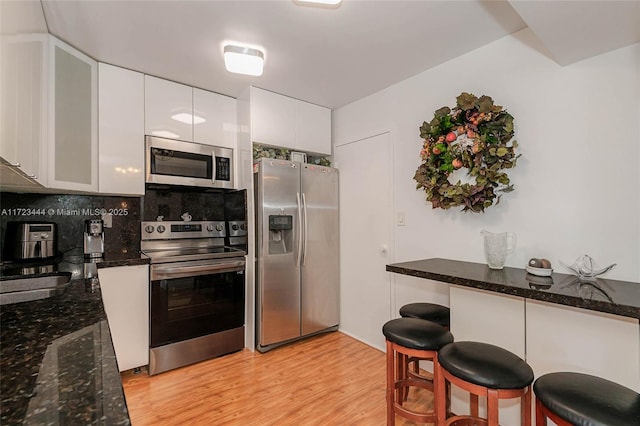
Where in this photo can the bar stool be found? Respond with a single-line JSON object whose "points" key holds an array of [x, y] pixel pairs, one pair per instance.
{"points": [[427, 311], [483, 370], [580, 399], [411, 337]]}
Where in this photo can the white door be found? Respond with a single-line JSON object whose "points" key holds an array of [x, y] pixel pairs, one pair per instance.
{"points": [[365, 227]]}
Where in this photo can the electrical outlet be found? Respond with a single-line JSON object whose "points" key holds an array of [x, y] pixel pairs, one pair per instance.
{"points": [[107, 220], [400, 218]]}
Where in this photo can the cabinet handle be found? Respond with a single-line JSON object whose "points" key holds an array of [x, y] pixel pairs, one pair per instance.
{"points": [[15, 164], [32, 176]]}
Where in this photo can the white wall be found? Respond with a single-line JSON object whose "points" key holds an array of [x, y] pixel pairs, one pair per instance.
{"points": [[577, 184]]}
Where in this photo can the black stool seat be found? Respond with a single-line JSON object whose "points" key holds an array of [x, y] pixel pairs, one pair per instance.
{"points": [[486, 365], [427, 311], [418, 334], [582, 399]]}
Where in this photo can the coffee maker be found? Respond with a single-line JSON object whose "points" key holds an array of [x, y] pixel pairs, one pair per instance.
{"points": [[93, 238]]}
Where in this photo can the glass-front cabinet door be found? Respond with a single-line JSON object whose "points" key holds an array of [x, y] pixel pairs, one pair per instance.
{"points": [[73, 106]]}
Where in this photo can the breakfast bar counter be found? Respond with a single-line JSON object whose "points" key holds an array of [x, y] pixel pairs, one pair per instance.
{"points": [[603, 295], [554, 323]]}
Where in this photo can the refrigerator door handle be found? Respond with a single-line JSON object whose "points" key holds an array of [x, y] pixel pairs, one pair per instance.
{"points": [[299, 255], [306, 228]]}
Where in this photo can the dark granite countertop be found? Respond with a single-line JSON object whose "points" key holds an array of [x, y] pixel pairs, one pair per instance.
{"points": [[603, 295], [122, 258], [58, 365], [73, 262]]}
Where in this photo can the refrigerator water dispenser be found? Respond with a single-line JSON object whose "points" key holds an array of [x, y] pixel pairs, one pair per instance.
{"points": [[280, 234]]}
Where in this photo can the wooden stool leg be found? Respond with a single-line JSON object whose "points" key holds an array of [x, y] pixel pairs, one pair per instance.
{"points": [[525, 409], [441, 389], [404, 391], [492, 407], [401, 365], [390, 384], [473, 405], [448, 399], [541, 419]]}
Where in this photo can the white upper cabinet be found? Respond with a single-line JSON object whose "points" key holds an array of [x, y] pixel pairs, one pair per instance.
{"points": [[272, 118], [121, 130], [168, 109], [313, 128], [278, 120], [23, 106], [219, 127], [73, 119]]}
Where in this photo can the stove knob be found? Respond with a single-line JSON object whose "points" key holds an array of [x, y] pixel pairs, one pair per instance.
{"points": [[149, 229], [210, 228], [161, 228], [243, 226], [44, 235], [218, 227], [235, 226]]}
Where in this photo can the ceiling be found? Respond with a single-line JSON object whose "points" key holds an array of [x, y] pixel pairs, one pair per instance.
{"points": [[328, 56]]}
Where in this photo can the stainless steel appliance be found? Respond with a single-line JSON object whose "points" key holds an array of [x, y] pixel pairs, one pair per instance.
{"points": [[93, 238], [197, 295], [237, 233], [30, 240], [297, 245], [176, 162]]}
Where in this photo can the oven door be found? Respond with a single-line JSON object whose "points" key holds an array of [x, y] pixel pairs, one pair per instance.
{"points": [[193, 299]]}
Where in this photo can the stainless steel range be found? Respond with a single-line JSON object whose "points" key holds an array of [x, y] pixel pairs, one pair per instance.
{"points": [[197, 293]]}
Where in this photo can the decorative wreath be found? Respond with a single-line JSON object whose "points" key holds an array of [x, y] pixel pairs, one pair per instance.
{"points": [[475, 135]]}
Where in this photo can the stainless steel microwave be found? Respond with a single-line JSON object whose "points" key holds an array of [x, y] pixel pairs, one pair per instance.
{"points": [[174, 162]]}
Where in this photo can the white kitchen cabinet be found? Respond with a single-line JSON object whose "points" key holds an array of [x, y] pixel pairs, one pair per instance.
{"points": [[281, 121], [73, 119], [125, 295], [272, 118], [488, 317], [497, 319], [120, 131], [563, 338], [23, 104], [313, 128], [168, 109], [220, 115]]}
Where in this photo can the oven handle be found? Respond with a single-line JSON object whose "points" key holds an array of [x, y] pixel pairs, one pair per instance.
{"points": [[164, 272]]}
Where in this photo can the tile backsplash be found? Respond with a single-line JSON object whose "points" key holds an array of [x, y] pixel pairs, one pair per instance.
{"points": [[172, 202], [69, 212]]}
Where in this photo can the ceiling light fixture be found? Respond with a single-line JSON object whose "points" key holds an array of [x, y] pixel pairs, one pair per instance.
{"points": [[186, 118], [243, 60]]}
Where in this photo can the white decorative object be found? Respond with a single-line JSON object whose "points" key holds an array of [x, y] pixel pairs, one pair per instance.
{"points": [[541, 272], [497, 246], [300, 157], [586, 268]]}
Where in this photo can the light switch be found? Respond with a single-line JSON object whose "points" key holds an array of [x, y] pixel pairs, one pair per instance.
{"points": [[400, 219]]}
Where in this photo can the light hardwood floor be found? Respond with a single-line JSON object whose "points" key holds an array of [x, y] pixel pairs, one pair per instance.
{"points": [[330, 379]]}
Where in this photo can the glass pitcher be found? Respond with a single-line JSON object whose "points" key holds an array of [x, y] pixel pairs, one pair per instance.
{"points": [[497, 246]]}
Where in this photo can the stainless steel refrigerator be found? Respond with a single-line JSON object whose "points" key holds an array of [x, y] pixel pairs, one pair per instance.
{"points": [[297, 251]]}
